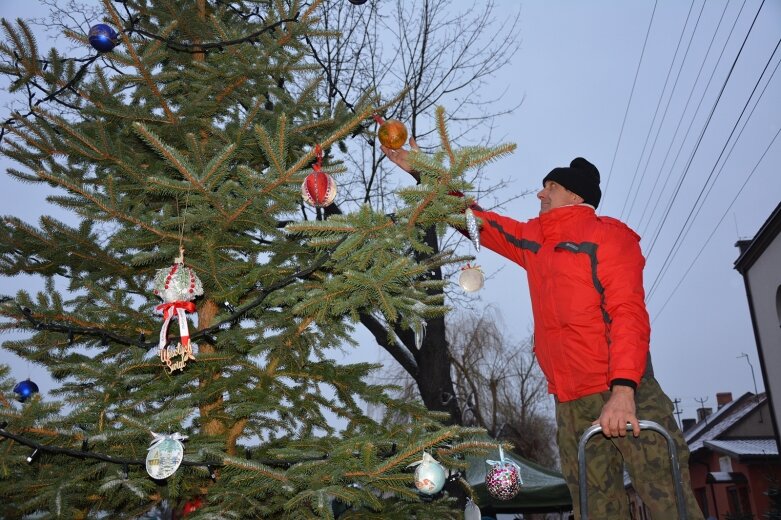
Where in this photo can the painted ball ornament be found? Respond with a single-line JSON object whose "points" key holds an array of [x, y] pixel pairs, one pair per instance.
{"points": [[502, 477], [25, 389], [392, 133], [102, 37], [357, 2], [471, 278], [165, 455], [319, 188], [429, 475]]}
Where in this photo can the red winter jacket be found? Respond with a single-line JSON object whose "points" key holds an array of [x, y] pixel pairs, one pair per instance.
{"points": [[586, 282]]}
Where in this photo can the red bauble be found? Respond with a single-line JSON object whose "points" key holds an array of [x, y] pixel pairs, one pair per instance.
{"points": [[192, 506], [318, 189]]}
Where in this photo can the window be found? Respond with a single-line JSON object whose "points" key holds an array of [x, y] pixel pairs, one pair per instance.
{"points": [[778, 304], [739, 501]]}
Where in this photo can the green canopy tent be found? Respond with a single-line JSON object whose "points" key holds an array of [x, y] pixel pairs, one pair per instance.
{"points": [[543, 490]]}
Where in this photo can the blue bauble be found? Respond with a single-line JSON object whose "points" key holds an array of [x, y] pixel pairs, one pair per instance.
{"points": [[102, 37], [25, 389]]}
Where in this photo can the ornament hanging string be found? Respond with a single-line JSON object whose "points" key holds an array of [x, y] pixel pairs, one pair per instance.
{"points": [[317, 167]]}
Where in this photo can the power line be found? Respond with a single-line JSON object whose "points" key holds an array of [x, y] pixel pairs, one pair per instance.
{"points": [[677, 242], [702, 133], [707, 241], [658, 104], [694, 117], [680, 120], [629, 103]]}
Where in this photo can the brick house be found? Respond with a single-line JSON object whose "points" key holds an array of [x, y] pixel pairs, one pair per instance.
{"points": [[734, 457]]}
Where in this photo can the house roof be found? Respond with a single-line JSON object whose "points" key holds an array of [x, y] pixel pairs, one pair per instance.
{"points": [[745, 447], [764, 237], [734, 410], [713, 426]]}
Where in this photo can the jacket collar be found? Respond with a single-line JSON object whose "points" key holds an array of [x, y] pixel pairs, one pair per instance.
{"points": [[559, 220]]}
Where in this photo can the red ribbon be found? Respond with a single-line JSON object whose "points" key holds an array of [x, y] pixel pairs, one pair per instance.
{"points": [[168, 308]]}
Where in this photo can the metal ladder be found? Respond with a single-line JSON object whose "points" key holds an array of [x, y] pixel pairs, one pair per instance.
{"points": [[672, 450]]}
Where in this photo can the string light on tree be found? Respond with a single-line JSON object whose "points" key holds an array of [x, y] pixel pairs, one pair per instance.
{"points": [[102, 37]]}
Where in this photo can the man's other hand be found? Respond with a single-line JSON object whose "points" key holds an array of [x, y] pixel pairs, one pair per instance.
{"points": [[618, 411]]}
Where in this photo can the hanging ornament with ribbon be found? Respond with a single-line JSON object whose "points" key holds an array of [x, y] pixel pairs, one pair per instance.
{"points": [[178, 286], [471, 278], [165, 455], [502, 477], [319, 188], [429, 475]]}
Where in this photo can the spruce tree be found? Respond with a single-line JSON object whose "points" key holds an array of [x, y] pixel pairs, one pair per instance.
{"points": [[194, 135]]}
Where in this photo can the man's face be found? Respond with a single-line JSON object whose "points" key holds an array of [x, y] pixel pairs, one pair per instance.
{"points": [[554, 195]]}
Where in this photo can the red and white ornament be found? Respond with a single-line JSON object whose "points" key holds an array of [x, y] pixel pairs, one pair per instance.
{"points": [[429, 475], [471, 278], [503, 477], [319, 188], [178, 286]]}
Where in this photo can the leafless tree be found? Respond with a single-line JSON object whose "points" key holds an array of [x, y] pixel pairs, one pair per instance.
{"points": [[440, 55], [501, 385]]}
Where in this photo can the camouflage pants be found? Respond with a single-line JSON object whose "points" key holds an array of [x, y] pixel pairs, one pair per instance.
{"points": [[646, 458]]}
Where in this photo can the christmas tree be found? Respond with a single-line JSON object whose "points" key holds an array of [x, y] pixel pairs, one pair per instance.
{"points": [[178, 147]]}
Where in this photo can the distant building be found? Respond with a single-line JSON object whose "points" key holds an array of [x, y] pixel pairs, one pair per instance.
{"points": [[760, 264], [734, 457]]}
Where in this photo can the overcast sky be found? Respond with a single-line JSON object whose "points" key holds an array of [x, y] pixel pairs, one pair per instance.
{"points": [[577, 70]]}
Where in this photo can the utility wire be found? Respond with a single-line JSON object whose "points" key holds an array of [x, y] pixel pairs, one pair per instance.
{"points": [[717, 225], [686, 107], [658, 104], [677, 242], [664, 117], [710, 188], [702, 133], [629, 103]]}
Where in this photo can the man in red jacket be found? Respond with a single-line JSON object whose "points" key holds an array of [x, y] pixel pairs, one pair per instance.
{"points": [[591, 335]]}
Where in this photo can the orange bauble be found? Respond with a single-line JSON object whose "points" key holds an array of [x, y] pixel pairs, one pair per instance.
{"points": [[392, 134]]}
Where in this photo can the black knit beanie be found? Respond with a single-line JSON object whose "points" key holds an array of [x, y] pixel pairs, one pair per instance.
{"points": [[581, 178]]}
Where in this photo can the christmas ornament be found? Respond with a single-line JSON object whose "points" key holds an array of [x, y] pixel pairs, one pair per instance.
{"points": [[392, 133], [25, 389], [165, 455], [102, 37], [429, 475], [418, 325], [471, 278], [502, 477], [471, 511], [357, 2], [177, 286], [192, 506], [319, 188], [472, 229]]}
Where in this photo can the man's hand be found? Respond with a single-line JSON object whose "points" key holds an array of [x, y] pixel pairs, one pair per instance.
{"points": [[619, 410], [400, 157]]}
